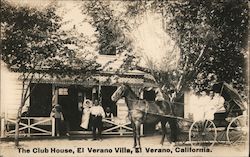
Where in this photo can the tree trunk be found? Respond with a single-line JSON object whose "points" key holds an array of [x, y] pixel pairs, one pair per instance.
{"points": [[18, 120], [17, 133], [24, 98]]}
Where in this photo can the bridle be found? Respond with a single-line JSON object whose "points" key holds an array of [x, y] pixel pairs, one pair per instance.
{"points": [[119, 91]]}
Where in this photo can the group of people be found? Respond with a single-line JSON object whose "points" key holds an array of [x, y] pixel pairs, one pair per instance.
{"points": [[207, 105], [93, 112]]}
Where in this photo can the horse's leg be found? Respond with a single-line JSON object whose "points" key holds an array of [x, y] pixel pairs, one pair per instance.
{"points": [[164, 131], [134, 133], [174, 129], [138, 128]]}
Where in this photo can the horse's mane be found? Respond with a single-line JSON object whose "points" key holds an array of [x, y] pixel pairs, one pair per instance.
{"points": [[129, 88]]}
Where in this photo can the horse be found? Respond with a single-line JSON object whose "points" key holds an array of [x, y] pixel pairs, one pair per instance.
{"points": [[142, 111]]}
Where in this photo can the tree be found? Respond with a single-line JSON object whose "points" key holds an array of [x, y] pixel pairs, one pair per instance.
{"points": [[212, 38], [112, 30], [34, 45]]}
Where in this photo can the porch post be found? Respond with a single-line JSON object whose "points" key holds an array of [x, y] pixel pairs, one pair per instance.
{"points": [[93, 93], [54, 95], [141, 94], [54, 101], [29, 127], [84, 96], [2, 127], [99, 94], [53, 130]]}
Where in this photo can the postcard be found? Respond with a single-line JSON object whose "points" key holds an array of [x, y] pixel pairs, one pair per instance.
{"points": [[124, 78]]}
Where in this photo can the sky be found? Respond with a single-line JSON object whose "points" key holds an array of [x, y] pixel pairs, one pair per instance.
{"points": [[150, 40], [40, 4]]}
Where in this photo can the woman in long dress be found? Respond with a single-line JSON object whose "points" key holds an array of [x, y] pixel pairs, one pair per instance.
{"points": [[87, 104]]}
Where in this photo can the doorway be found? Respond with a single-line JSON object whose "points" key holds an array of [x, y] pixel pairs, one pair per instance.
{"points": [[68, 99], [106, 93]]}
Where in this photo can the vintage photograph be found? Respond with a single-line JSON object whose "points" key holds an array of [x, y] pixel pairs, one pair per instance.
{"points": [[124, 78]]}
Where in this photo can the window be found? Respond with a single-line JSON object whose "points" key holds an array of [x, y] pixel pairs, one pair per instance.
{"points": [[63, 91]]}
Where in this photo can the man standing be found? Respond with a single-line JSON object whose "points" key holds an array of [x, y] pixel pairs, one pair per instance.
{"points": [[97, 113], [56, 113]]}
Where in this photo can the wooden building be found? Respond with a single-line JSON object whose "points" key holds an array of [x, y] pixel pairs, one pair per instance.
{"points": [[70, 93]]}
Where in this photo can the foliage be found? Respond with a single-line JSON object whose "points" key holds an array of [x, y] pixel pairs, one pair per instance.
{"points": [[34, 45], [32, 42], [212, 38], [110, 28]]}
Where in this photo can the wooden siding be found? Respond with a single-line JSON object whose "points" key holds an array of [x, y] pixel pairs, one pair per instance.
{"points": [[11, 89]]}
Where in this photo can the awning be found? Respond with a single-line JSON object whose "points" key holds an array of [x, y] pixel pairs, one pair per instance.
{"points": [[230, 94], [95, 79]]}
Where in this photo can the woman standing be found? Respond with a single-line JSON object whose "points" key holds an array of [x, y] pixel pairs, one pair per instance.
{"points": [[87, 104]]}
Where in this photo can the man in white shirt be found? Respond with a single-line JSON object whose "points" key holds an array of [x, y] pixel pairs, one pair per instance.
{"points": [[200, 106], [215, 105], [219, 102], [97, 113]]}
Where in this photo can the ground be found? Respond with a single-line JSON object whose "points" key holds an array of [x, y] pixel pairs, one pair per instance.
{"points": [[81, 146]]}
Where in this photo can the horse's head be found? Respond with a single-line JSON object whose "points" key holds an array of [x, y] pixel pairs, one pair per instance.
{"points": [[118, 93]]}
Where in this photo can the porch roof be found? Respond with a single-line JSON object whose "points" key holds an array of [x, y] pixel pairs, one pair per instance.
{"points": [[135, 77]]}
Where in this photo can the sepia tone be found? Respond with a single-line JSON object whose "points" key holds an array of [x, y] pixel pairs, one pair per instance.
{"points": [[170, 76]]}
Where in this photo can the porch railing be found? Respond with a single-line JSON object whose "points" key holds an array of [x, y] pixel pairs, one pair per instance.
{"points": [[119, 127], [113, 126], [29, 126], [38, 126]]}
